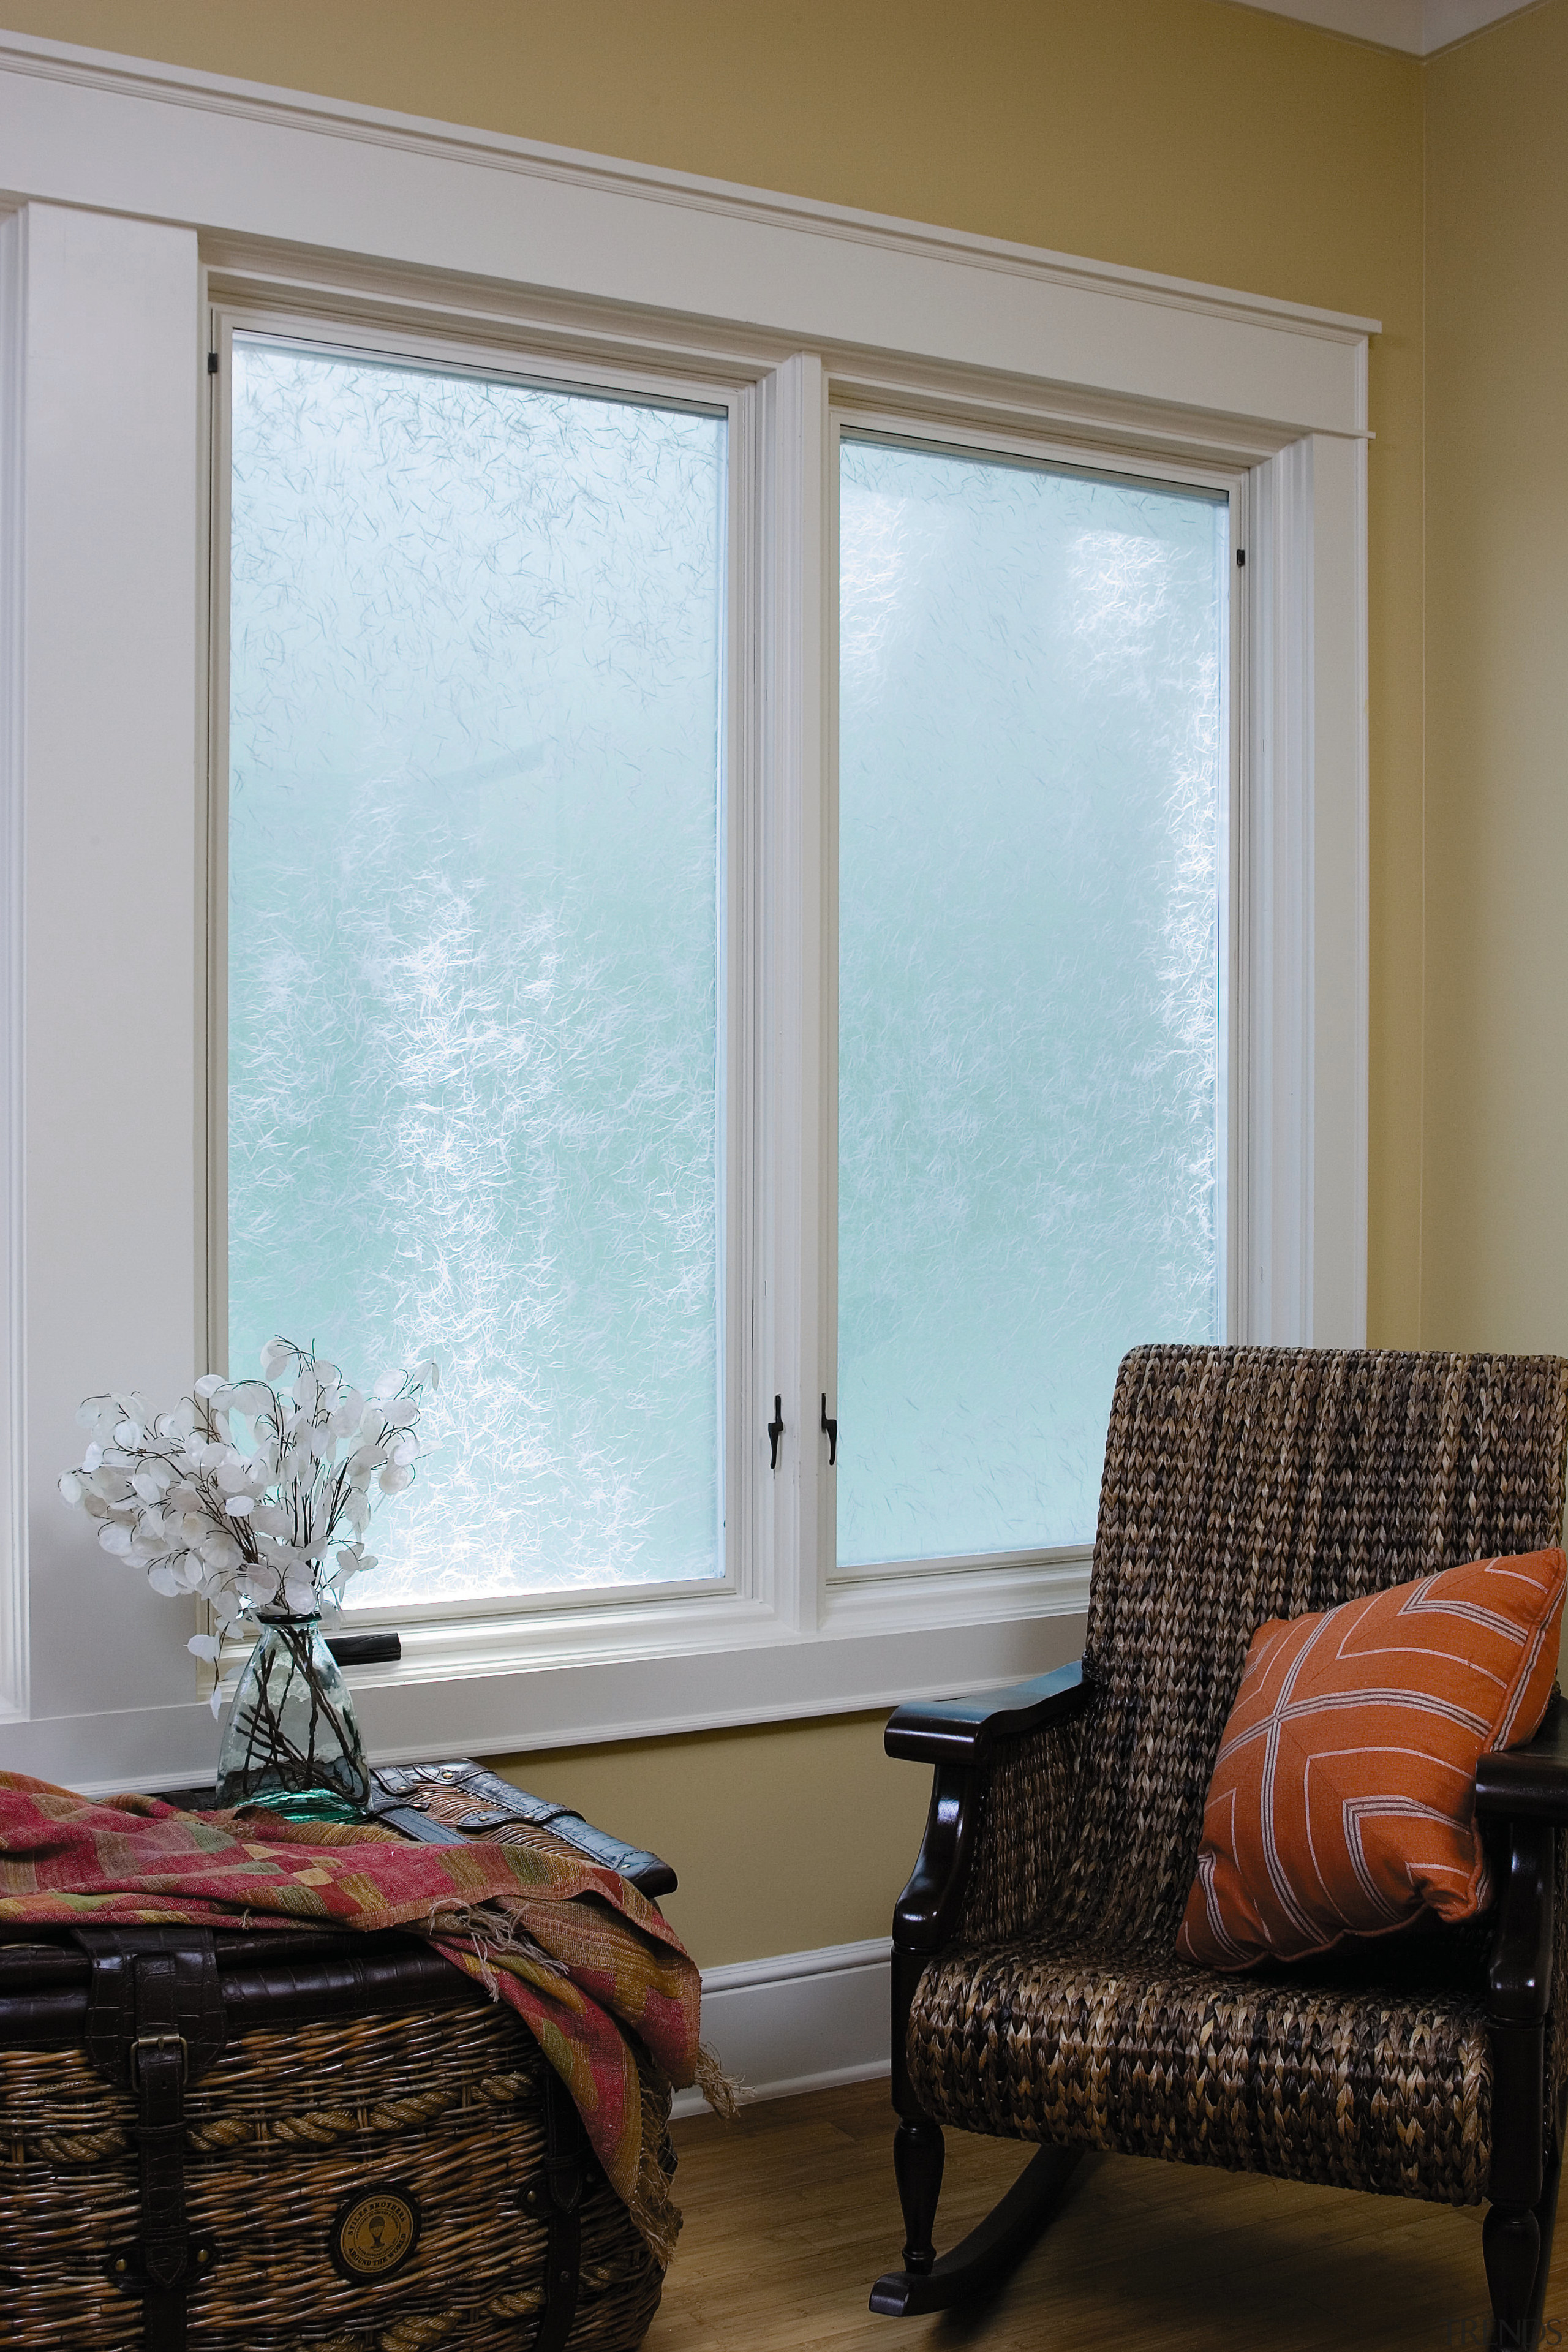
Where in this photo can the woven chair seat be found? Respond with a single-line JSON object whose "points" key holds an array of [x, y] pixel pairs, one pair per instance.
{"points": [[1310, 2075]]}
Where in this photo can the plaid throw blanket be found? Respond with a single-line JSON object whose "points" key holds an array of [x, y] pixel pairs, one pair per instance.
{"points": [[572, 1948]]}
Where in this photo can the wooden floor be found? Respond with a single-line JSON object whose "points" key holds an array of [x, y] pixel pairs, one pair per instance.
{"points": [[790, 2214]]}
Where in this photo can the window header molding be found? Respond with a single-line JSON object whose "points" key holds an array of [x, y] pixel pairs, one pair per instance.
{"points": [[236, 159]]}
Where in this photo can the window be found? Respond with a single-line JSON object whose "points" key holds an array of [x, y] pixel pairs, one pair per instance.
{"points": [[477, 665], [478, 662], [137, 241], [1034, 798]]}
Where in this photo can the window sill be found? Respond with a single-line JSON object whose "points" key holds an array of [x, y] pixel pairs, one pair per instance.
{"points": [[627, 1670], [613, 1677], [752, 1670]]}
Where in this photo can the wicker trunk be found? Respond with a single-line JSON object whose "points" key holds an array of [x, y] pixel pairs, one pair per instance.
{"points": [[370, 2158]]}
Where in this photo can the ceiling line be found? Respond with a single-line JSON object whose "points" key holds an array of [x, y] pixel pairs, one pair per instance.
{"points": [[1420, 28]]}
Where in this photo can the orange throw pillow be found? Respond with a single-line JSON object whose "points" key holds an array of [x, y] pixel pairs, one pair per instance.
{"points": [[1343, 1794]]}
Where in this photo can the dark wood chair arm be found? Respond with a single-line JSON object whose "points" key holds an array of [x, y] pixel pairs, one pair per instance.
{"points": [[1519, 2000], [927, 1911], [1521, 1954], [960, 1730], [1529, 1783], [955, 1734], [1523, 1794]]}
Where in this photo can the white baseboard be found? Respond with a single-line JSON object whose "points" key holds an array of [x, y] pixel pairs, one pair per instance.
{"points": [[797, 2021]]}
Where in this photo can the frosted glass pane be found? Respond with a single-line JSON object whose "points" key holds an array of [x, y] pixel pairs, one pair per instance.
{"points": [[476, 638], [1032, 676]]}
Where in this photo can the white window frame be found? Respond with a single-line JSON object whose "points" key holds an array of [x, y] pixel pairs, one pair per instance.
{"points": [[503, 1625], [916, 427], [147, 197]]}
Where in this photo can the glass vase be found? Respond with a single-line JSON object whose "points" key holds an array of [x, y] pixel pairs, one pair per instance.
{"points": [[292, 1742]]}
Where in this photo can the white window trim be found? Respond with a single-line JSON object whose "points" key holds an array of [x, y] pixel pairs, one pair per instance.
{"points": [[14, 1625], [905, 1587], [144, 193], [485, 1630]]}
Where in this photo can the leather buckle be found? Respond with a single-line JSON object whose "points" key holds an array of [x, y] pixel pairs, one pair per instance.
{"points": [[158, 2043], [126, 2268]]}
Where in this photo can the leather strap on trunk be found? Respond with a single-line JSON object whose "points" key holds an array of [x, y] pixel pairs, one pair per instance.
{"points": [[155, 2024], [565, 2179]]}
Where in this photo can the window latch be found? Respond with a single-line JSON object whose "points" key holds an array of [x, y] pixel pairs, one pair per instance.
{"points": [[776, 1431], [831, 1431]]}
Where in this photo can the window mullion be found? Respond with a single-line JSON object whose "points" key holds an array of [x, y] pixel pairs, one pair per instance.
{"points": [[788, 1359]]}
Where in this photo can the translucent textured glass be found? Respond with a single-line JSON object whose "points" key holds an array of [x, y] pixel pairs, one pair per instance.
{"points": [[474, 1110], [1032, 798]]}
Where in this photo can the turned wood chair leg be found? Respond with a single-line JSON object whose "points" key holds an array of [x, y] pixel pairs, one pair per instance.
{"points": [[1524, 2144], [1545, 2221], [993, 2249], [1510, 2243], [919, 2153]]}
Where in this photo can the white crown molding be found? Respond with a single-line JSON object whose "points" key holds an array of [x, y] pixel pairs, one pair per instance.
{"points": [[284, 111], [1421, 28]]}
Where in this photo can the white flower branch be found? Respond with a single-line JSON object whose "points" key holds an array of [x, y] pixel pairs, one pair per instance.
{"points": [[241, 1493]]}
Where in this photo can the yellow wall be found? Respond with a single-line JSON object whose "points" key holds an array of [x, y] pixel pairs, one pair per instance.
{"points": [[1191, 136], [1496, 1255], [784, 1837]]}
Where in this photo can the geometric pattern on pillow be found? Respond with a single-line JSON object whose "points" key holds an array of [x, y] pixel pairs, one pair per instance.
{"points": [[1342, 1797]]}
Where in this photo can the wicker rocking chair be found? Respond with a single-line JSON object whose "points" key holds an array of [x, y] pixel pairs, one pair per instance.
{"points": [[1036, 1990]]}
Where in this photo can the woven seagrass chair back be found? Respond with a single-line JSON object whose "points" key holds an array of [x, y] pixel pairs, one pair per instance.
{"points": [[1247, 1483]]}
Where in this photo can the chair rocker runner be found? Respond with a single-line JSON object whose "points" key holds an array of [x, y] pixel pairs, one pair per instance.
{"points": [[1037, 1993]]}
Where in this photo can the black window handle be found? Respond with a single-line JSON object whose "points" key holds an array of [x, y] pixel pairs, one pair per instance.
{"points": [[831, 1431], [776, 1431], [365, 1649]]}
